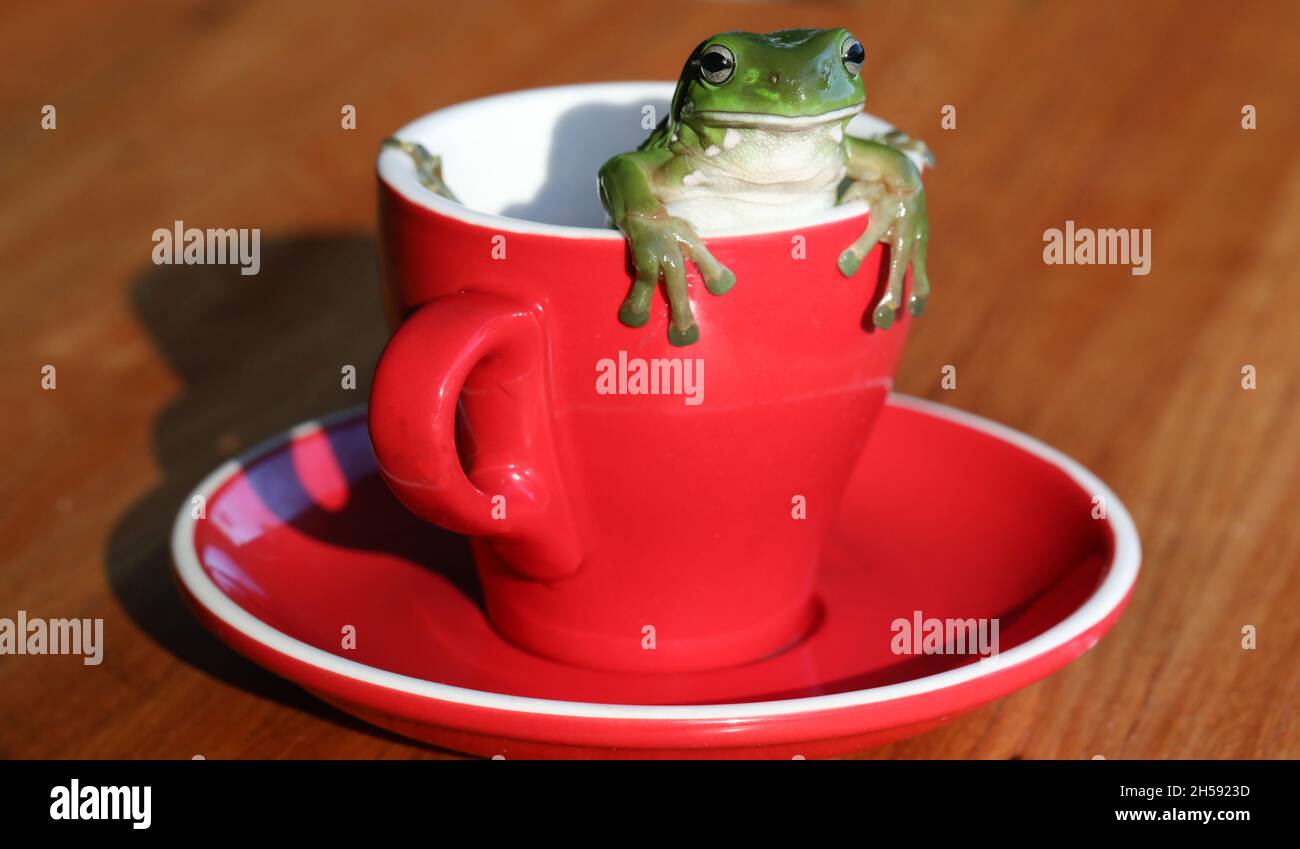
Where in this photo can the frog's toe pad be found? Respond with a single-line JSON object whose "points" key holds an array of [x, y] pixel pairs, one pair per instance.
{"points": [[633, 317], [722, 284], [916, 305], [849, 262], [883, 317], [689, 336]]}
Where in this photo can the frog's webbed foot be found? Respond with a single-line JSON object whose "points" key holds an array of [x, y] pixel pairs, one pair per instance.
{"points": [[660, 247], [900, 221], [428, 167]]}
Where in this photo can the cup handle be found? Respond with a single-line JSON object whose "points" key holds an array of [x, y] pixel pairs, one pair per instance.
{"points": [[485, 353]]}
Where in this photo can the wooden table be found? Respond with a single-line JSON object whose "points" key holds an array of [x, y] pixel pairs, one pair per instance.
{"points": [[1109, 114]]}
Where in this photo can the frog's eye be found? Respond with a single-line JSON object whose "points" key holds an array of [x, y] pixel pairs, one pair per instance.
{"points": [[717, 64], [853, 55]]}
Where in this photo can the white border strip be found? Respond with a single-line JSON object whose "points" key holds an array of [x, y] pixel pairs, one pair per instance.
{"points": [[1107, 596]]}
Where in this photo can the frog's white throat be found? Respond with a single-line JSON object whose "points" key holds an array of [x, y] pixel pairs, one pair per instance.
{"points": [[764, 171]]}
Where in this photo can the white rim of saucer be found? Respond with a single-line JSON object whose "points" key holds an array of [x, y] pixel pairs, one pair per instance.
{"points": [[1105, 598], [397, 170]]}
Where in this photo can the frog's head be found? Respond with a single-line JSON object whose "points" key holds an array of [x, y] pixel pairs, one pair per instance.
{"points": [[794, 77]]}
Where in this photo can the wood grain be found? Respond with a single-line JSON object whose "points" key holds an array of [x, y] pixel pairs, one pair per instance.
{"points": [[1109, 113]]}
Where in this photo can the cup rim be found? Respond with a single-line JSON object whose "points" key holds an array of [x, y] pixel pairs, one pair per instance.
{"points": [[397, 172]]}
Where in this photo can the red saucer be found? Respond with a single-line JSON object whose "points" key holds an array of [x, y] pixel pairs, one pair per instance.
{"points": [[948, 514]]}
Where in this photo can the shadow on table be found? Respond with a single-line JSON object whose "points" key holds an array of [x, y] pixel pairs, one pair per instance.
{"points": [[255, 355]]}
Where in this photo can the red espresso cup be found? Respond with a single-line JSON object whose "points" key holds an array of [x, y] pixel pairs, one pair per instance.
{"points": [[632, 505]]}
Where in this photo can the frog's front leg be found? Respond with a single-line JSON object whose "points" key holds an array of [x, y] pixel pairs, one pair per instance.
{"points": [[660, 244], [890, 183], [914, 148]]}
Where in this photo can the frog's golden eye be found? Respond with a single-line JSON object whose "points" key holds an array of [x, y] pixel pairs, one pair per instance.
{"points": [[717, 63], [853, 54]]}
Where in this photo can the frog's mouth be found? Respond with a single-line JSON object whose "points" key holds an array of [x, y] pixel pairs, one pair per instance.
{"points": [[719, 118]]}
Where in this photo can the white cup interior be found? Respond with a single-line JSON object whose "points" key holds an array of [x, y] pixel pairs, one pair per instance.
{"points": [[526, 161]]}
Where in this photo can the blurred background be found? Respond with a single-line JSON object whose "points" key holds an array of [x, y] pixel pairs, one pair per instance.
{"points": [[228, 114]]}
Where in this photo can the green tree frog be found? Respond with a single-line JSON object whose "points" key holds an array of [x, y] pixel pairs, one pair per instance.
{"points": [[755, 136]]}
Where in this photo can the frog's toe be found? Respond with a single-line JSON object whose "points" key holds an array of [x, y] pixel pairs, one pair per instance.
{"points": [[679, 337], [633, 316], [916, 304], [849, 262], [722, 283], [883, 317]]}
